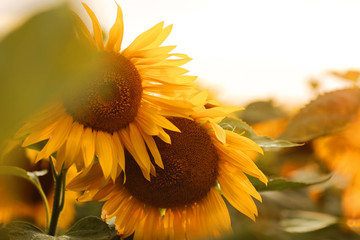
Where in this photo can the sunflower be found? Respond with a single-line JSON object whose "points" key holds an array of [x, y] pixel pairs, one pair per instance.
{"points": [[341, 153], [121, 108], [351, 203], [184, 199], [21, 200]]}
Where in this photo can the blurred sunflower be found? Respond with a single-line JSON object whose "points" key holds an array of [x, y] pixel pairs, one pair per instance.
{"points": [[121, 108], [183, 200], [341, 153], [21, 200]]}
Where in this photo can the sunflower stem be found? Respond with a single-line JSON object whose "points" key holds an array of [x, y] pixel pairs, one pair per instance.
{"points": [[44, 198], [58, 202], [62, 200]]}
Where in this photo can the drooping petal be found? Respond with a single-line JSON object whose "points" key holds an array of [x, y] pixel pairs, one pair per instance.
{"points": [[124, 135], [104, 148], [119, 150], [87, 146], [139, 145], [150, 142]]}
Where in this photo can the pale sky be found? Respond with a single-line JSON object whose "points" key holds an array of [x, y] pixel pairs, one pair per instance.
{"points": [[247, 50]]}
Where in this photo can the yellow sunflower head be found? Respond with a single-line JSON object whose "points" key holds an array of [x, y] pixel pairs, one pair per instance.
{"points": [[21, 200], [351, 203], [341, 151], [123, 107], [184, 199]]}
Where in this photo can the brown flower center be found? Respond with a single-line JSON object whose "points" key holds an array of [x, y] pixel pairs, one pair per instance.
{"points": [[190, 169], [111, 101]]}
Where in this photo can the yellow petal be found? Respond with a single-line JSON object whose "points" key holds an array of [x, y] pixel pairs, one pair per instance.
{"points": [[139, 145], [165, 123], [87, 145], [104, 152], [216, 112], [164, 136], [60, 159], [125, 139], [161, 38], [59, 136], [158, 71], [40, 135], [199, 99], [96, 26], [119, 150], [241, 142], [144, 39], [116, 32], [220, 217], [72, 144], [150, 142], [170, 104], [239, 199], [219, 132], [238, 158], [84, 180], [153, 52], [237, 179], [149, 127]]}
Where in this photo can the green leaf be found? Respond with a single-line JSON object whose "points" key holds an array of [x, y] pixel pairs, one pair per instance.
{"points": [[4, 233], [88, 228], [280, 184], [32, 177], [38, 146], [240, 127], [39, 61], [304, 221], [24, 231], [328, 114], [260, 111]]}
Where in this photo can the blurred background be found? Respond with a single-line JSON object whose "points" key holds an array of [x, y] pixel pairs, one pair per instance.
{"points": [[248, 50]]}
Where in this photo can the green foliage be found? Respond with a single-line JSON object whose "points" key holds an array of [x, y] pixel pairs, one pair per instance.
{"points": [[329, 113], [39, 61], [88, 228], [306, 221], [32, 177], [260, 111], [244, 129], [280, 184], [24, 231]]}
